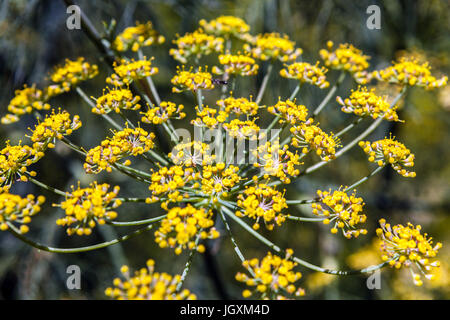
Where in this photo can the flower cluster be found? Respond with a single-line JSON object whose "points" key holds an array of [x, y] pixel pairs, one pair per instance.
{"points": [[15, 209], [87, 207], [53, 127], [238, 106], [242, 129], [169, 181], [25, 101], [308, 136], [289, 111], [273, 46], [236, 65], [194, 153], [192, 183], [410, 72], [183, 228], [277, 162], [195, 44], [130, 70], [146, 284], [72, 73], [116, 99], [192, 81], [219, 178], [14, 161], [365, 103], [348, 58], [406, 246], [164, 111], [306, 73], [209, 117], [124, 143], [343, 211], [390, 151], [134, 38], [273, 277], [262, 202], [226, 26]]}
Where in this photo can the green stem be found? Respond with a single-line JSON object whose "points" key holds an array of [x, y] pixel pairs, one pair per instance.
{"points": [[295, 92], [264, 83], [347, 128], [233, 241], [47, 187], [199, 99], [73, 146], [273, 123], [298, 260], [329, 95], [150, 82], [137, 222], [304, 219], [40, 246], [188, 265], [357, 183], [200, 108], [301, 201]]}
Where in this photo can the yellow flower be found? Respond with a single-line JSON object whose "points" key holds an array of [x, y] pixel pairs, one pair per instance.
{"points": [[184, 227], [141, 35], [347, 58], [128, 142], [238, 106], [219, 178], [364, 103], [165, 111], [53, 127], [192, 81], [130, 70], [87, 207], [308, 136], [146, 284], [343, 211], [405, 246], [242, 129], [262, 202], [17, 210], [226, 26], [25, 101], [14, 161], [276, 161], [271, 278], [116, 99], [169, 182], [72, 73], [305, 72], [390, 151], [410, 72], [289, 111], [237, 65], [274, 46], [209, 117], [196, 45], [194, 153]]}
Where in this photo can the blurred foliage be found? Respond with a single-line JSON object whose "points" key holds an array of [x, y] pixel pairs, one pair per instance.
{"points": [[34, 38]]}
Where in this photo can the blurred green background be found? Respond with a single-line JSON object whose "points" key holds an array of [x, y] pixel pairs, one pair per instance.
{"points": [[34, 38]]}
